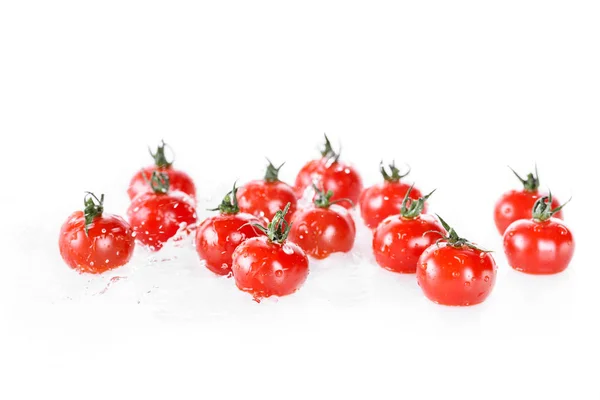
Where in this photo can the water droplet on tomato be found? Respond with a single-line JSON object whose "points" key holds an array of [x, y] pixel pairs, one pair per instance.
{"points": [[279, 273], [467, 284], [424, 266], [107, 261], [487, 279], [287, 249], [103, 230], [456, 274]]}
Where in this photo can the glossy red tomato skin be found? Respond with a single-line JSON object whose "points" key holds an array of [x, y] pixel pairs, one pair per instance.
{"points": [[518, 204], [156, 218], [537, 247], [343, 179], [456, 276], [218, 236], [264, 268], [263, 198], [384, 199], [322, 231], [398, 242], [109, 243], [179, 181]]}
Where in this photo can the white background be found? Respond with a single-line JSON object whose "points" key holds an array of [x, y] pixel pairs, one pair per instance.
{"points": [[458, 90]]}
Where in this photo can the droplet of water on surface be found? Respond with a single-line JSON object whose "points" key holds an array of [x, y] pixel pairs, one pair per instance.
{"points": [[467, 284], [487, 279], [456, 274], [279, 273]]}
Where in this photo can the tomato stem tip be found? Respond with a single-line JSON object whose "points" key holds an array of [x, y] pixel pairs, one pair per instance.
{"points": [[278, 229], [160, 159], [532, 183], [93, 207], [229, 204], [542, 209], [394, 175]]}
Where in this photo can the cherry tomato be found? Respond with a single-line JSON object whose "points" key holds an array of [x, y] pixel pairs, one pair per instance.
{"points": [[541, 245], [455, 272], [270, 265], [265, 197], [517, 204], [94, 242], [324, 229], [218, 236], [330, 174], [384, 199], [160, 215], [399, 240], [179, 180]]}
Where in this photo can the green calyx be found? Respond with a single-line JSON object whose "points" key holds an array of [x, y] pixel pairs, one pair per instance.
{"points": [[542, 209], [394, 175], [278, 229], [532, 183], [328, 153], [453, 239], [160, 159], [323, 198], [229, 205], [272, 174], [413, 208], [93, 207], [159, 182]]}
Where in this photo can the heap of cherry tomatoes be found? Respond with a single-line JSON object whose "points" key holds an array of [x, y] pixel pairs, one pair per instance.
{"points": [[262, 237]]}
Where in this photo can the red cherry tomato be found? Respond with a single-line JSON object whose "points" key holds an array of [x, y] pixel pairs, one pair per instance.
{"points": [[517, 204], [160, 215], [270, 265], [454, 272], [399, 240], [330, 174], [384, 199], [93, 242], [324, 229], [179, 180], [265, 197], [218, 236], [541, 245]]}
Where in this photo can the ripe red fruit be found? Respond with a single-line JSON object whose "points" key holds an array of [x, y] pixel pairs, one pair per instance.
{"points": [[179, 180], [265, 197], [95, 242], [330, 174], [161, 214], [399, 240], [384, 199], [323, 229], [270, 265], [542, 244], [455, 272], [218, 236], [517, 204]]}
